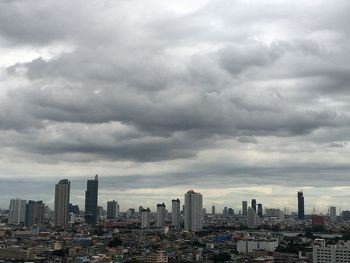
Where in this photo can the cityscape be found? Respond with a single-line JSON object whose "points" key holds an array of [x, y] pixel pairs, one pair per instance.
{"points": [[30, 231]]}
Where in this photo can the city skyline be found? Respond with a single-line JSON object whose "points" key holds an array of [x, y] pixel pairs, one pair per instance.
{"points": [[236, 99]]}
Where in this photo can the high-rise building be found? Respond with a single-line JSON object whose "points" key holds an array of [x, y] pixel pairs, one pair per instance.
{"points": [[213, 210], [251, 218], [145, 221], [193, 211], [91, 200], [112, 209], [301, 214], [333, 213], [175, 213], [225, 212], [34, 213], [230, 212], [160, 215], [260, 210], [61, 210], [17, 211], [254, 205], [244, 208]]}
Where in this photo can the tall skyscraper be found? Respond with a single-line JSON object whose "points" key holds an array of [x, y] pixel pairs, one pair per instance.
{"points": [[193, 211], [213, 210], [260, 210], [112, 209], [91, 200], [244, 208], [333, 213], [301, 214], [145, 221], [61, 209], [254, 205], [160, 215], [175, 213], [34, 213], [251, 218], [17, 211]]}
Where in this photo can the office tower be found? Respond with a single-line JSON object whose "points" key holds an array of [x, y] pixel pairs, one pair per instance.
{"points": [[260, 210], [301, 214], [230, 212], [204, 212], [112, 209], [17, 211], [140, 209], [254, 205], [333, 213], [61, 209], [145, 221], [251, 218], [244, 208], [74, 209], [213, 210], [34, 213], [175, 213], [193, 211], [100, 212], [224, 212], [91, 199], [160, 215]]}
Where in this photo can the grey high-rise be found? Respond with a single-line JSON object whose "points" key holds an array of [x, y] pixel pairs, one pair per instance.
{"points": [[244, 208], [17, 211], [34, 213], [254, 205], [112, 209], [260, 210], [61, 210], [175, 213], [160, 215], [91, 200], [193, 211], [301, 215]]}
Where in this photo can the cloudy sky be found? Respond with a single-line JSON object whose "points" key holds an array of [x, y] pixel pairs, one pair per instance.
{"points": [[237, 99]]}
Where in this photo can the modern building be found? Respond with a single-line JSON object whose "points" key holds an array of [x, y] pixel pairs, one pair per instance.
{"points": [[275, 213], [333, 213], [91, 200], [213, 210], [254, 205], [17, 211], [247, 246], [35, 212], [145, 220], [175, 213], [301, 213], [61, 209], [193, 211], [338, 253], [160, 215], [260, 210], [244, 208], [225, 211], [112, 209], [251, 218]]}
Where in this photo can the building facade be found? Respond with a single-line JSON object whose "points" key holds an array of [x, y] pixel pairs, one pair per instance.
{"points": [[61, 209], [91, 200], [17, 211], [193, 211], [175, 213]]}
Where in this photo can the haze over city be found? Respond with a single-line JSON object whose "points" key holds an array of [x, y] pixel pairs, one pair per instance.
{"points": [[234, 99]]}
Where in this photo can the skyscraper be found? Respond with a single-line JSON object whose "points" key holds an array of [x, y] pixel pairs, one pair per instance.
{"points": [[175, 213], [213, 210], [260, 210], [333, 213], [34, 213], [301, 215], [193, 211], [145, 222], [254, 205], [251, 218], [17, 211], [91, 199], [61, 209], [112, 209], [244, 208], [160, 215]]}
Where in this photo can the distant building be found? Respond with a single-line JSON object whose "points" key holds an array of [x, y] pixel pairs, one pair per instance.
{"points": [[317, 220], [193, 211], [260, 210], [34, 213], [91, 200], [338, 253], [175, 213], [244, 208], [254, 205], [74, 209], [157, 257], [213, 210], [274, 212], [231, 212], [225, 211], [61, 210], [112, 209], [247, 246], [145, 220], [345, 215], [333, 213], [301, 214], [17, 211], [160, 215], [251, 218]]}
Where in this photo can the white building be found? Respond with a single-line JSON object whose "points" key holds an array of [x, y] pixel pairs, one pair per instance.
{"points": [[251, 218], [339, 253], [193, 211], [247, 246], [160, 215], [17, 211], [175, 213], [145, 221]]}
